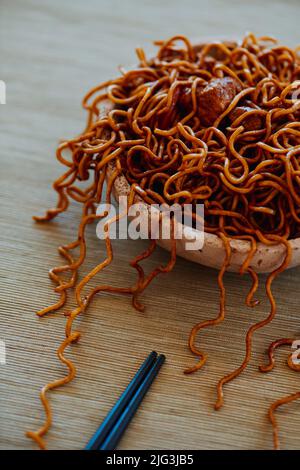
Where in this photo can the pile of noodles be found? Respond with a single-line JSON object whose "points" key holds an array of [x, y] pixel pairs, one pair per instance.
{"points": [[243, 164]]}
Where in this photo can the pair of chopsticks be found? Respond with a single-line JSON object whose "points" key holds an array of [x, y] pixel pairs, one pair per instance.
{"points": [[111, 430]]}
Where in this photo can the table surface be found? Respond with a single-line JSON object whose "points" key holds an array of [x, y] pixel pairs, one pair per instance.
{"points": [[51, 53]]}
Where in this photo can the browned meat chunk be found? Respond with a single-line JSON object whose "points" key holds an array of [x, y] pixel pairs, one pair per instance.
{"points": [[216, 97], [185, 102], [250, 123]]}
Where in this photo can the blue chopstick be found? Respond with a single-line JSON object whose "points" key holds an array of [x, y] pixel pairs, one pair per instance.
{"points": [[117, 431], [100, 435]]}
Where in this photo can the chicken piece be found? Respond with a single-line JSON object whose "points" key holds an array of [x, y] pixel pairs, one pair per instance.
{"points": [[185, 101], [216, 97], [250, 123]]}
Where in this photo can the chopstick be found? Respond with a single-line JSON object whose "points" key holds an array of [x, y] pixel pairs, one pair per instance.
{"points": [[132, 396], [116, 433]]}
